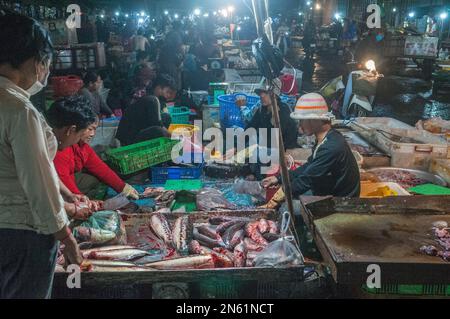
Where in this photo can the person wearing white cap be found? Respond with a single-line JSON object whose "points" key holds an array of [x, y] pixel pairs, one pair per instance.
{"points": [[331, 169]]}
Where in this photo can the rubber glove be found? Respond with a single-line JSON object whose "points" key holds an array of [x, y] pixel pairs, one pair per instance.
{"points": [[129, 191]]}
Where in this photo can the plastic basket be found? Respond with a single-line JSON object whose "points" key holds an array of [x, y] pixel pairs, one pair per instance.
{"points": [[136, 157], [66, 85], [160, 174], [230, 113], [183, 184], [179, 114]]}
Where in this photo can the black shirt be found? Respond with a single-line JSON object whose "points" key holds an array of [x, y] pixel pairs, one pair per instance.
{"points": [[143, 114], [262, 118], [331, 170]]}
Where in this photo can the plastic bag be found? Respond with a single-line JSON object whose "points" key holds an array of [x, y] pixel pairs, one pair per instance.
{"points": [[104, 227], [212, 199], [281, 252], [255, 192]]}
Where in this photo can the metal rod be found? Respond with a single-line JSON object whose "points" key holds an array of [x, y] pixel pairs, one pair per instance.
{"points": [[284, 170]]}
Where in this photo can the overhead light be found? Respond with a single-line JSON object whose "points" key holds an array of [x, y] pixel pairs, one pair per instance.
{"points": [[443, 15], [102, 16], [140, 20], [176, 16], [197, 12], [308, 3], [215, 13], [153, 20], [142, 13], [166, 12], [411, 14], [117, 13], [127, 15], [225, 13], [318, 6], [394, 10], [370, 65], [230, 9], [300, 13], [206, 15]]}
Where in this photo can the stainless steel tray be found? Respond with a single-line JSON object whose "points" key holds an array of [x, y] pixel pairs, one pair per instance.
{"points": [[434, 179]]}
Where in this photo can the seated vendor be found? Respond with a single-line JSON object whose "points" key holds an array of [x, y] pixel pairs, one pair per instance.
{"points": [[263, 117], [141, 121], [332, 169], [92, 84], [73, 161]]}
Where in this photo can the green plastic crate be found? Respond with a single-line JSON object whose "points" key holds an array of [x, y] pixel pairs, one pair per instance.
{"points": [[410, 290], [183, 184], [179, 114], [133, 158]]}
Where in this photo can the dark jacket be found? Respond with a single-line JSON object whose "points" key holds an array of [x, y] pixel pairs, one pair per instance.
{"points": [[262, 119], [141, 115], [331, 170]]}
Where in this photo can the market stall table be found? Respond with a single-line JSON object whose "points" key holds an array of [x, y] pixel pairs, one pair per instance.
{"points": [[352, 234]]}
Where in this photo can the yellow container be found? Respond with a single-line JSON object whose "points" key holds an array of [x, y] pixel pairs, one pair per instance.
{"points": [[377, 190], [183, 129]]}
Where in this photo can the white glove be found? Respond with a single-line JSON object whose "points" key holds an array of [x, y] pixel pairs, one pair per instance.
{"points": [[129, 191]]}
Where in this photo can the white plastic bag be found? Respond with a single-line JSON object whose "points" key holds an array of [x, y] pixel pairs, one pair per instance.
{"points": [[282, 252]]}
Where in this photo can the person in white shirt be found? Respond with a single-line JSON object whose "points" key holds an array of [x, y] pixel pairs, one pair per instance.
{"points": [[32, 216], [140, 42]]}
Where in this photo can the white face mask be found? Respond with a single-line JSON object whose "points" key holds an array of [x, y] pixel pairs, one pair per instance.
{"points": [[38, 86]]}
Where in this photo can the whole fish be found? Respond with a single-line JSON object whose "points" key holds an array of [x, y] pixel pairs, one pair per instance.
{"points": [[252, 231], [207, 231], [229, 233], [240, 255], [237, 238], [205, 240], [152, 192], [273, 228], [180, 235], [94, 235], [252, 246], [96, 268], [161, 228], [109, 263], [224, 226], [191, 262], [86, 252], [263, 226], [121, 254]]}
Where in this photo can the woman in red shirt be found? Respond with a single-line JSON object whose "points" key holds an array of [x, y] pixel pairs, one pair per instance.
{"points": [[81, 157]]}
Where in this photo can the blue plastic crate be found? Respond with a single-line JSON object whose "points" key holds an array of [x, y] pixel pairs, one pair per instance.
{"points": [[230, 113], [160, 174]]}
